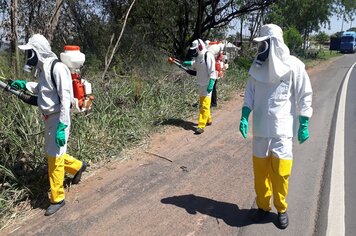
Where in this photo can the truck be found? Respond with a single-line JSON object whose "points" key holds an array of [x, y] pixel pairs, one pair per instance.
{"points": [[348, 42]]}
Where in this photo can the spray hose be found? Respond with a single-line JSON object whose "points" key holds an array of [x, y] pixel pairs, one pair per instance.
{"points": [[172, 60], [27, 98]]}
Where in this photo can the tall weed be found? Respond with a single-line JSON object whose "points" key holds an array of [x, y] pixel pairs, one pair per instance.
{"points": [[126, 110]]}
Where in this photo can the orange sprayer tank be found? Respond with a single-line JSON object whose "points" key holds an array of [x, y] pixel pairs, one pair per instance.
{"points": [[74, 59]]}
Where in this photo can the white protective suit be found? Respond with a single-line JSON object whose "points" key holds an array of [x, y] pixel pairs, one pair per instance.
{"points": [[205, 69], [54, 102], [51, 101], [204, 65], [279, 91]]}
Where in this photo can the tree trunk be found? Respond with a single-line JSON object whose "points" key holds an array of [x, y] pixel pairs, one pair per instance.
{"points": [[241, 32], [52, 24], [14, 39], [109, 59], [199, 22]]}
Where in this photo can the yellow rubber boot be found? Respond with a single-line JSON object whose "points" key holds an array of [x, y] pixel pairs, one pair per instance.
{"points": [[56, 177], [71, 165], [280, 172], [263, 186], [204, 114]]}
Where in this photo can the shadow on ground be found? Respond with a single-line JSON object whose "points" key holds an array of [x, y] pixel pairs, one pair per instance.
{"points": [[228, 212], [37, 184], [187, 125]]}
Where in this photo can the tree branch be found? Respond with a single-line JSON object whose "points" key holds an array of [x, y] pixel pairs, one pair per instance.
{"points": [[107, 63]]}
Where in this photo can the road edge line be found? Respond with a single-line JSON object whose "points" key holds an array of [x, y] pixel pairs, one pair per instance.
{"points": [[336, 210]]}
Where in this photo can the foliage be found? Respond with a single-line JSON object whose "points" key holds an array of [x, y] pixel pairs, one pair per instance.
{"points": [[293, 39], [345, 9], [126, 110], [142, 92], [322, 38], [305, 15]]}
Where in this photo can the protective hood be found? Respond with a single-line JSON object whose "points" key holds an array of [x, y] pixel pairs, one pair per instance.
{"points": [[199, 46], [274, 67], [41, 46]]}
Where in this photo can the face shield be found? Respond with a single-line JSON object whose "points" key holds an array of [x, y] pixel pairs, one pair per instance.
{"points": [[192, 53], [31, 60], [197, 48], [263, 52]]}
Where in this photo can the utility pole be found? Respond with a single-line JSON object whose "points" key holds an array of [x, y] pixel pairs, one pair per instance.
{"points": [[342, 23]]}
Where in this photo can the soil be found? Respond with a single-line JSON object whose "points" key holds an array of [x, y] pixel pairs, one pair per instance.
{"points": [[178, 183]]}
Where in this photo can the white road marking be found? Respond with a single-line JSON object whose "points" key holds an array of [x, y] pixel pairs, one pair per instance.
{"points": [[336, 212]]}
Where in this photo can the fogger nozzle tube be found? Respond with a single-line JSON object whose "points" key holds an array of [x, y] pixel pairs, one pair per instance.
{"points": [[29, 99]]}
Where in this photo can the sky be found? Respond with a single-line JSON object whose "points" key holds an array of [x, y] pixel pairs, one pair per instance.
{"points": [[336, 25]]}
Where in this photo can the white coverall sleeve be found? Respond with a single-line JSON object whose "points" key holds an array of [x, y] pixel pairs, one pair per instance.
{"points": [[249, 94], [63, 81], [194, 65], [32, 87], [210, 63], [303, 93]]}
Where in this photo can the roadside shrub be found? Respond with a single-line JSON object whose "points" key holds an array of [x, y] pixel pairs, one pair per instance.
{"points": [[127, 108], [293, 39]]}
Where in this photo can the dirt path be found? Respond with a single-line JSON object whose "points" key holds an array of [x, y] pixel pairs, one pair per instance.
{"points": [[180, 184]]}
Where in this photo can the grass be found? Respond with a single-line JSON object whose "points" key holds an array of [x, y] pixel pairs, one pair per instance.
{"points": [[322, 55], [126, 110]]}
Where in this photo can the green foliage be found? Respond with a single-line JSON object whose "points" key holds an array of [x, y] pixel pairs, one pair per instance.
{"points": [[321, 55], [244, 62], [275, 16], [5, 69], [293, 39], [322, 38], [126, 110], [141, 92], [306, 16]]}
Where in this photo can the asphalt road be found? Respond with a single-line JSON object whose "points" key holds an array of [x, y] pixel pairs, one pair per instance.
{"points": [[312, 159], [189, 185], [350, 156]]}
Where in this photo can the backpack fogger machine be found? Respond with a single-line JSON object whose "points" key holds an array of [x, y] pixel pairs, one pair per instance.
{"points": [[82, 89]]}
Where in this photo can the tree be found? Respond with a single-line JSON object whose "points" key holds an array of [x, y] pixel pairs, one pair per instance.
{"points": [[293, 39], [14, 38], [53, 22], [322, 38], [309, 15], [114, 49], [345, 9], [184, 21], [306, 15]]}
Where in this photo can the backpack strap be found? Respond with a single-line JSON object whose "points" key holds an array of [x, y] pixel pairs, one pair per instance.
{"points": [[54, 62], [205, 58]]}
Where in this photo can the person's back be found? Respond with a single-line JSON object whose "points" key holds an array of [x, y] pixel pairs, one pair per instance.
{"points": [[54, 102]]}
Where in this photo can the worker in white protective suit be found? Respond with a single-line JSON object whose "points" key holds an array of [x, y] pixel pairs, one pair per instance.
{"points": [[204, 64], [54, 102], [279, 93], [217, 48]]}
